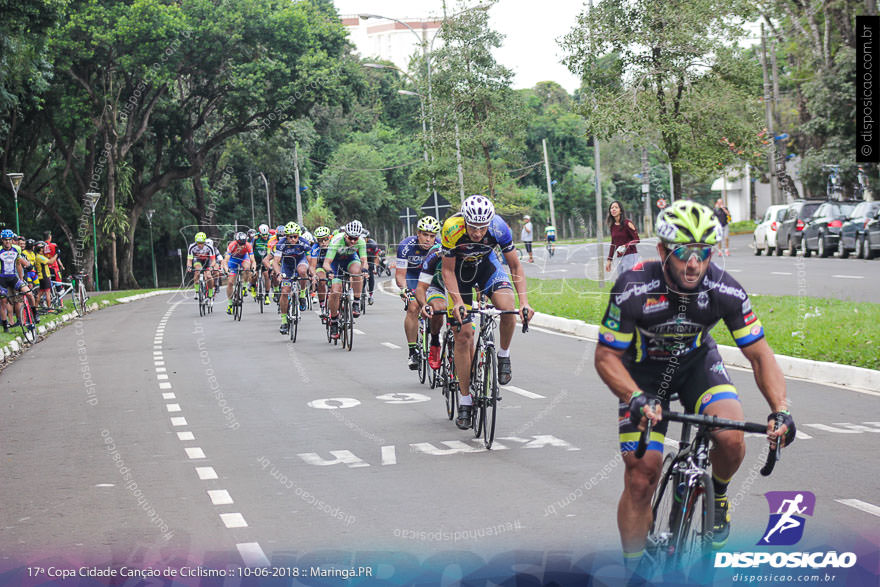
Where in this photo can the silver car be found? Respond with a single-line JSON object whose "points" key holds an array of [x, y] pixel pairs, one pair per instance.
{"points": [[765, 233]]}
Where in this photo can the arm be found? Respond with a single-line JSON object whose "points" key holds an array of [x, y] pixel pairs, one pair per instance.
{"points": [[632, 232], [328, 259], [609, 365], [768, 375], [518, 277], [448, 271]]}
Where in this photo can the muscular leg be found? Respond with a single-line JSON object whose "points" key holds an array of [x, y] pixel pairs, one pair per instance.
{"points": [[634, 514]]}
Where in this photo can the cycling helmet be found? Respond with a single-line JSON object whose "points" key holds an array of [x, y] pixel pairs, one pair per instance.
{"points": [[280, 229], [201, 237], [478, 211], [6, 233], [354, 228], [30, 243], [39, 245], [292, 228], [252, 233], [209, 242], [264, 229], [241, 237], [322, 232], [685, 222], [429, 224]]}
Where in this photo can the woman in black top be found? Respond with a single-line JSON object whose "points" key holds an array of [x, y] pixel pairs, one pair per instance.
{"points": [[624, 237]]}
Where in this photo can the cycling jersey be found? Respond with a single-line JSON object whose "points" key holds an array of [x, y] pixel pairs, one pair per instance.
{"points": [[654, 324], [42, 264], [339, 248], [410, 256], [240, 252], [318, 253], [551, 233], [372, 248], [201, 252], [260, 245], [8, 261], [292, 254], [457, 243], [431, 272]]}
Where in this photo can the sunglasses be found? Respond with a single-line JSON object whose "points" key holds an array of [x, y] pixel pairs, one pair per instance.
{"points": [[684, 252]]}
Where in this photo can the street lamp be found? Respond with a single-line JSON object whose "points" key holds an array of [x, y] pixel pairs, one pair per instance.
{"points": [[152, 251], [93, 203], [268, 211], [15, 180]]}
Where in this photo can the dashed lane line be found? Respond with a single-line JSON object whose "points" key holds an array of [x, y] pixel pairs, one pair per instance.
{"points": [[849, 276], [861, 505], [522, 392], [390, 345]]}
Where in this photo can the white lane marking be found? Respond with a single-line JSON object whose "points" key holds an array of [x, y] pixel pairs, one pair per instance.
{"points": [[105, 485], [195, 452], [185, 436], [390, 345], [780, 273], [860, 505], [734, 270], [849, 276], [252, 554], [164, 385], [161, 369], [161, 376], [219, 497], [522, 392], [173, 407], [178, 421], [169, 395], [158, 363], [206, 473], [389, 455], [157, 353], [233, 520], [356, 331]]}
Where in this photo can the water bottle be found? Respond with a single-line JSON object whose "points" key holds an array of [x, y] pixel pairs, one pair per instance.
{"points": [[679, 491]]}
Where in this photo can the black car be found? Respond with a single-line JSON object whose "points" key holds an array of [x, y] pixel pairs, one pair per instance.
{"points": [[788, 236], [870, 242], [854, 229], [822, 229]]}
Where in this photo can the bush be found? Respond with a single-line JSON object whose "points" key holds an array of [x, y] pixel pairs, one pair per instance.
{"points": [[743, 226]]}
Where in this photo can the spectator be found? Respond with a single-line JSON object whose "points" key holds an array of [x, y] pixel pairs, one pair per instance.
{"points": [[528, 235], [723, 215], [624, 237], [52, 251]]}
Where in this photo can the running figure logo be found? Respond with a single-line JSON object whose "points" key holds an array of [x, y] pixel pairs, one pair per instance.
{"points": [[786, 525]]}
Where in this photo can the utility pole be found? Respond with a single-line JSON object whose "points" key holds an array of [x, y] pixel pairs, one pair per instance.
{"points": [[774, 74], [549, 185], [458, 160], [646, 192], [598, 189], [768, 110], [299, 209]]}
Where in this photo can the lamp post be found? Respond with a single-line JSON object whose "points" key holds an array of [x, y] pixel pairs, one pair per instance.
{"points": [[93, 203], [15, 180], [268, 212], [152, 251]]}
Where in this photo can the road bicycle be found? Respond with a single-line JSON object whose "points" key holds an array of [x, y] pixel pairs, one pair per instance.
{"points": [[77, 291], [345, 320], [25, 314], [484, 373], [237, 297], [260, 296], [203, 294], [446, 377], [551, 248], [683, 505], [293, 311]]}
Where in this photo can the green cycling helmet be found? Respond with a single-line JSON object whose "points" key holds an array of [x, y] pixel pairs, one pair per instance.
{"points": [[201, 237], [322, 231], [429, 224], [686, 222], [292, 228]]}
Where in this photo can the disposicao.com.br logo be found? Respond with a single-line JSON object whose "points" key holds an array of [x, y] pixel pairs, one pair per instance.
{"points": [[786, 528]]}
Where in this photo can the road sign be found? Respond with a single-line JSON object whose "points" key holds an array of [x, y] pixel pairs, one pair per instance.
{"points": [[436, 206], [661, 203]]}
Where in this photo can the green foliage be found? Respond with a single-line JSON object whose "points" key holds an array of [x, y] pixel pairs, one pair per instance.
{"points": [[319, 214]]}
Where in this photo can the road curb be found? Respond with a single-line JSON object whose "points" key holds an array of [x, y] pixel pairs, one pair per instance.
{"points": [[815, 371], [16, 347]]}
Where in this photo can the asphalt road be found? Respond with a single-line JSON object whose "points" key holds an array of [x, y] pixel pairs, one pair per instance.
{"points": [[845, 279], [145, 436]]}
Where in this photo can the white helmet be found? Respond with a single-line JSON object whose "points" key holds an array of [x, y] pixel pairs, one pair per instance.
{"points": [[264, 229], [354, 228], [210, 242], [477, 210]]}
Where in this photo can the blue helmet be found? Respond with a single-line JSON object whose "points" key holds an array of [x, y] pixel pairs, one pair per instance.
{"points": [[6, 233]]}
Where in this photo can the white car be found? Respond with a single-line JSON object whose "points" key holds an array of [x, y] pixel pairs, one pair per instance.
{"points": [[765, 233]]}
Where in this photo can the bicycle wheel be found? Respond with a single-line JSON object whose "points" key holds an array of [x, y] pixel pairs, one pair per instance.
{"points": [[477, 390], [202, 305], [694, 536], [349, 326], [423, 359], [82, 298], [490, 396], [447, 375], [666, 510], [261, 293], [26, 320], [293, 312], [237, 299]]}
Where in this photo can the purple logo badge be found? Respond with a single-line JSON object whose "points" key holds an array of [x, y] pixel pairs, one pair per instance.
{"points": [[786, 525]]}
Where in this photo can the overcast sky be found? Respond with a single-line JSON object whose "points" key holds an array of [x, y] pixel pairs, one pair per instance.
{"points": [[530, 27]]}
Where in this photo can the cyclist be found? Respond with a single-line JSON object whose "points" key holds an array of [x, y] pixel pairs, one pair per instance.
{"points": [[12, 266], [372, 260], [469, 262], [290, 260], [431, 298], [550, 234], [316, 265], [344, 253], [44, 275], [410, 255], [654, 341], [201, 256], [238, 258], [215, 266], [260, 244], [273, 277]]}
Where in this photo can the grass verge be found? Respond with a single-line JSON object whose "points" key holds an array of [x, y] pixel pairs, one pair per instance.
{"points": [[819, 329], [68, 307]]}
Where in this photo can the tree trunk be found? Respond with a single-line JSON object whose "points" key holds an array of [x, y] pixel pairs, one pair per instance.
{"points": [[128, 262], [111, 207], [488, 157]]}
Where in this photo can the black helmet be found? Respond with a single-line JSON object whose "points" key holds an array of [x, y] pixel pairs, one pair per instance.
{"points": [[30, 243]]}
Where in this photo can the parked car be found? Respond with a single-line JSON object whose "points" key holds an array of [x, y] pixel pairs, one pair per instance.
{"points": [[870, 243], [788, 235], [853, 229], [765, 233], [822, 229]]}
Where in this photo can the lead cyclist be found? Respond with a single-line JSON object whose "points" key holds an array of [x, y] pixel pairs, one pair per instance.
{"points": [[654, 341]]}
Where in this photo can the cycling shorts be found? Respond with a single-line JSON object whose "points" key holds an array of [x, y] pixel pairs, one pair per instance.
{"points": [[551, 238], [341, 264], [45, 283], [699, 383], [11, 282], [487, 277], [199, 264], [435, 293], [235, 264], [289, 265]]}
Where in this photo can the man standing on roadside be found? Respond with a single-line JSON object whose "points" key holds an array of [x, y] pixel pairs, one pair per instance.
{"points": [[527, 236], [723, 215], [51, 250]]}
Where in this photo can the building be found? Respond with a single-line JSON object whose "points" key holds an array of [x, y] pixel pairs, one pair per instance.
{"points": [[389, 40], [731, 187]]}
